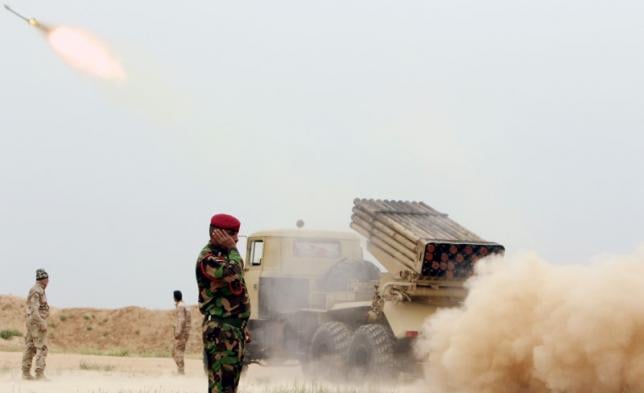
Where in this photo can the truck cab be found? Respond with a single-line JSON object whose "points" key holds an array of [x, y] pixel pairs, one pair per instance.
{"points": [[282, 267], [294, 277]]}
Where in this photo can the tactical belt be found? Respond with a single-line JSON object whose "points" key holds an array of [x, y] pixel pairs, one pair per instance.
{"points": [[236, 322]]}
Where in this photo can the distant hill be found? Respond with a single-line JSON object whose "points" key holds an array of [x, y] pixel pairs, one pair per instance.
{"points": [[120, 332]]}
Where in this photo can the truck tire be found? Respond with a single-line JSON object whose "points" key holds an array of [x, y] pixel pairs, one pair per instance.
{"points": [[371, 352], [327, 350]]}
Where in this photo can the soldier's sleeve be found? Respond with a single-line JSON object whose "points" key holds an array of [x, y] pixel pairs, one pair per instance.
{"points": [[181, 319], [34, 307], [188, 319], [210, 267], [235, 257]]}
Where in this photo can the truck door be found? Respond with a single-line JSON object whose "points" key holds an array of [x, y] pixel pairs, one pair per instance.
{"points": [[252, 271]]}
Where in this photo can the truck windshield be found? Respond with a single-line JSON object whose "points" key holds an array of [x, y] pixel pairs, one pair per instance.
{"points": [[317, 248]]}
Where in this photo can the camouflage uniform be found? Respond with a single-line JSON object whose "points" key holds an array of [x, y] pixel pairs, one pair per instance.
{"points": [[36, 337], [224, 302], [181, 335]]}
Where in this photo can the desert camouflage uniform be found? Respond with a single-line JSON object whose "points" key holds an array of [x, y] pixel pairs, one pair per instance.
{"points": [[181, 335], [36, 337], [224, 302]]}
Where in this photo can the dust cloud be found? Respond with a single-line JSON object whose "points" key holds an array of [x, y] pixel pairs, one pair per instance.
{"points": [[530, 326]]}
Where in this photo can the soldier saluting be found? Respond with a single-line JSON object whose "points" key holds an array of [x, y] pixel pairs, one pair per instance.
{"points": [[224, 303], [36, 337]]}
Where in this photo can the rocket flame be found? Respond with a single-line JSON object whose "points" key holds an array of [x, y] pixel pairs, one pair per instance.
{"points": [[85, 52]]}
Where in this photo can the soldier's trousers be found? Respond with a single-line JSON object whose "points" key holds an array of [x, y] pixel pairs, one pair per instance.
{"points": [[223, 355], [35, 345], [178, 351]]}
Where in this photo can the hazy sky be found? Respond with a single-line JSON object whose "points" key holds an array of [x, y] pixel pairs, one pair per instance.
{"points": [[523, 120]]}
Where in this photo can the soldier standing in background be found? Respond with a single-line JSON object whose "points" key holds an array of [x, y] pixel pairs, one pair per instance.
{"points": [[224, 303], [36, 337], [181, 331]]}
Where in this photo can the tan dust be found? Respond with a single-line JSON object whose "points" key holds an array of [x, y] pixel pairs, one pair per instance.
{"points": [[530, 326]]}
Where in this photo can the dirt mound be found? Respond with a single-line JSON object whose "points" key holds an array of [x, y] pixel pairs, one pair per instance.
{"points": [[120, 332]]}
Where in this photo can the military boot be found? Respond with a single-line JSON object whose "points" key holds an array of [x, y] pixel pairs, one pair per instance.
{"points": [[40, 376], [26, 375]]}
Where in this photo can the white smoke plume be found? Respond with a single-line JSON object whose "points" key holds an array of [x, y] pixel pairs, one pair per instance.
{"points": [[530, 326]]}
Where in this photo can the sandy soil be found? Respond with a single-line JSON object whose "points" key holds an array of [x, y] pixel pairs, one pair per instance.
{"points": [[132, 330], [73, 373]]}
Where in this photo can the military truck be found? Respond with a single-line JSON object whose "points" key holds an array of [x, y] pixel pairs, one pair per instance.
{"points": [[316, 300]]}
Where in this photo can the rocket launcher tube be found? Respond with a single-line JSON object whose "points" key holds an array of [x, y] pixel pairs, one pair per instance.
{"points": [[411, 238]]}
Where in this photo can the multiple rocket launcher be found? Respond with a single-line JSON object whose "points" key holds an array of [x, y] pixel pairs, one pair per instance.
{"points": [[411, 237]]}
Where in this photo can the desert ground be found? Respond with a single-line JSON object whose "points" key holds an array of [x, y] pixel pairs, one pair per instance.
{"points": [[76, 373]]}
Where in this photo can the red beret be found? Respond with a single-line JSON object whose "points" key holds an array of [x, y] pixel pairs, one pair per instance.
{"points": [[225, 221]]}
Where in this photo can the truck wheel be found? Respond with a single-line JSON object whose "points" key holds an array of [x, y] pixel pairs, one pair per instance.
{"points": [[327, 351], [371, 351]]}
